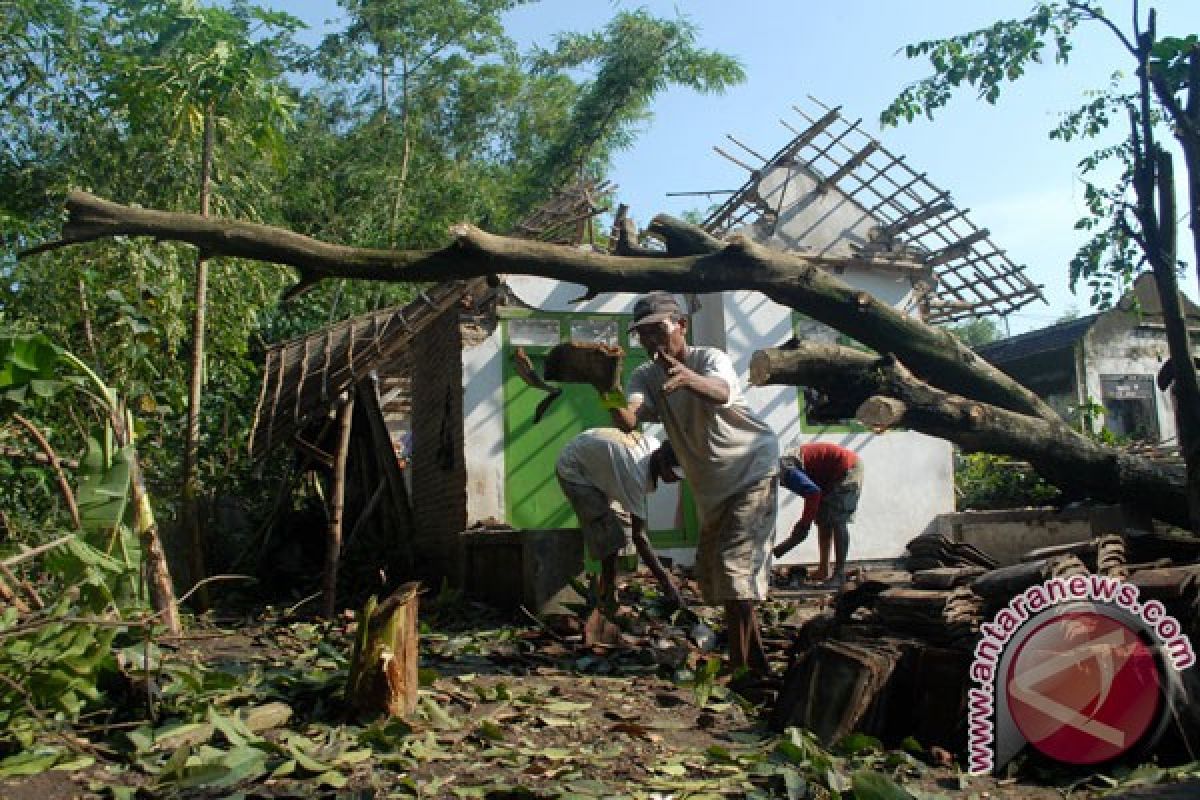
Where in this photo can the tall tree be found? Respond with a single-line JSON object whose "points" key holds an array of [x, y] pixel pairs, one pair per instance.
{"points": [[201, 69], [1135, 220], [635, 57], [409, 62]]}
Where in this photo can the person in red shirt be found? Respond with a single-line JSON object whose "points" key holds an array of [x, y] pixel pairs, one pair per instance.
{"points": [[829, 478]]}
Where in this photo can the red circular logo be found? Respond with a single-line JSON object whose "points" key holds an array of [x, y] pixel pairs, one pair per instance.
{"points": [[1083, 688]]}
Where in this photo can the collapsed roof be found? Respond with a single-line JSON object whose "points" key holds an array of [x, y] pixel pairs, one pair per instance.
{"points": [[908, 213]]}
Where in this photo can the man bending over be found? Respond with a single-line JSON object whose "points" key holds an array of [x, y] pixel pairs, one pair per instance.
{"points": [[597, 469]]}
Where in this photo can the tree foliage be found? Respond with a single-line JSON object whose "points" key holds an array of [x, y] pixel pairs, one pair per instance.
{"points": [[414, 115], [1133, 219], [977, 331]]}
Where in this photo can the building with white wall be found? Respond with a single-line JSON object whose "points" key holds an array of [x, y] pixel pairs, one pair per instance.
{"points": [[1103, 366], [830, 190]]}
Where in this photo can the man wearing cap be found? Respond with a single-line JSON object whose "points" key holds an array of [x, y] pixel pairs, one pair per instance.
{"points": [[829, 478], [728, 454]]}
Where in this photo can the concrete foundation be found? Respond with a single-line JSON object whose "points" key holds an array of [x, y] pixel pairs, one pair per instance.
{"points": [[1009, 534], [530, 568]]}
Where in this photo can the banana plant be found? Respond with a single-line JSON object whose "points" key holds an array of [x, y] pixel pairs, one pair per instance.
{"points": [[31, 366]]}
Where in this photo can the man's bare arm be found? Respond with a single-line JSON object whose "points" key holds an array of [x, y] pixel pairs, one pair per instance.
{"points": [[712, 388], [646, 551]]}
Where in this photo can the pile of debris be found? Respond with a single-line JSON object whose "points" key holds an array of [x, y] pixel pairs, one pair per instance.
{"points": [[892, 657]]}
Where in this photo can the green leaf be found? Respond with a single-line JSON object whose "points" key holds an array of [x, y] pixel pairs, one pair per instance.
{"points": [[436, 715], [706, 675], [103, 488], [332, 779], [1145, 775], [869, 785], [233, 729], [490, 731], [79, 762], [30, 762], [855, 744]]}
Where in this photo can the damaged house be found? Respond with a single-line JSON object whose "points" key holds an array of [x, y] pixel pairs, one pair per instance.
{"points": [[446, 385]]}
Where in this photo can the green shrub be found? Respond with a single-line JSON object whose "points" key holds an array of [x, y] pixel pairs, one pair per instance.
{"points": [[984, 481]]}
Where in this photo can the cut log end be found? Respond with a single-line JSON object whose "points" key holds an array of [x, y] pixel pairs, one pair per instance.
{"points": [[383, 667], [881, 413]]}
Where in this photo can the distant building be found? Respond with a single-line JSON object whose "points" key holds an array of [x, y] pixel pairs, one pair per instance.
{"points": [[1107, 359]]}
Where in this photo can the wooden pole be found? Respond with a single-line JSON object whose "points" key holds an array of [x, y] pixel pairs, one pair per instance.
{"points": [[337, 503], [190, 489]]}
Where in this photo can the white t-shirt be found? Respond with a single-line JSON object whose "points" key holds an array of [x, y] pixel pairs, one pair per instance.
{"points": [[615, 462], [723, 449]]}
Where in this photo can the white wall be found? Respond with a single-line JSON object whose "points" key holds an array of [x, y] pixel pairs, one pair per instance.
{"points": [[1118, 345], [483, 429], [826, 222], [909, 477]]}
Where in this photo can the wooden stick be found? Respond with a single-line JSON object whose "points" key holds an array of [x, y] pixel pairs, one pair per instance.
{"points": [[10, 597], [337, 502], [17, 454], [52, 459], [34, 552], [34, 597]]}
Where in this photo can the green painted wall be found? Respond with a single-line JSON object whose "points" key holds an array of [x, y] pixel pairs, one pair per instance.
{"points": [[532, 495]]}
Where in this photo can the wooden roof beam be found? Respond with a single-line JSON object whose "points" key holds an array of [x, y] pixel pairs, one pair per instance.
{"points": [[957, 250], [855, 161], [920, 215]]}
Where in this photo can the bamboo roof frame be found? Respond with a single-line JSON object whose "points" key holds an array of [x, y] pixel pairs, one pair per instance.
{"points": [[304, 376], [975, 277]]}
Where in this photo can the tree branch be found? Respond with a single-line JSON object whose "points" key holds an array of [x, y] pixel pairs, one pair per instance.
{"points": [[699, 263], [1061, 455], [1099, 16], [55, 464]]}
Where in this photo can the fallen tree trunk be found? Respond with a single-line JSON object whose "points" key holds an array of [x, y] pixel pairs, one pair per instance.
{"points": [[694, 262], [954, 395], [888, 395]]}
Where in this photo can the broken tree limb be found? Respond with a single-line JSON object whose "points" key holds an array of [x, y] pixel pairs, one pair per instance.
{"points": [[697, 262], [1061, 455], [881, 413]]}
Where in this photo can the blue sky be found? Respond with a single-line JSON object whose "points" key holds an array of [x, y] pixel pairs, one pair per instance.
{"points": [[995, 160]]}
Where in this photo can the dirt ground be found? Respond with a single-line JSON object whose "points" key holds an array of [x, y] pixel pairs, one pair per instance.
{"points": [[513, 709]]}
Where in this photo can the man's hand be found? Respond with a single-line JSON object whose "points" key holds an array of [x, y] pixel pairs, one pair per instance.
{"points": [[681, 376], [799, 534]]}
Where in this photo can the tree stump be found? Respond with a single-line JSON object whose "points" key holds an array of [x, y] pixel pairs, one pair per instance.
{"points": [[383, 663]]}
